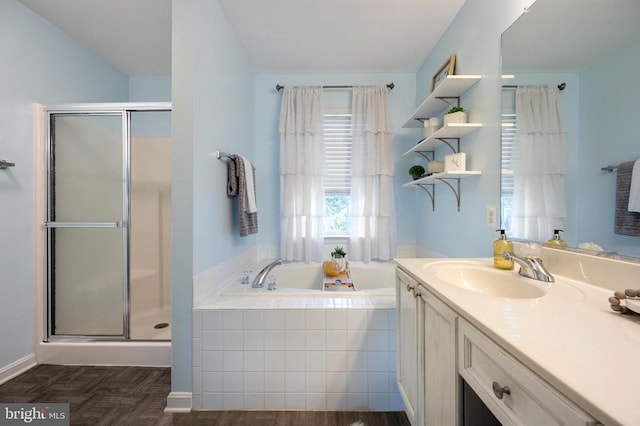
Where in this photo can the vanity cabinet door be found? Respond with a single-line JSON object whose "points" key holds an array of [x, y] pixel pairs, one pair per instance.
{"points": [[408, 352], [513, 393], [441, 381]]}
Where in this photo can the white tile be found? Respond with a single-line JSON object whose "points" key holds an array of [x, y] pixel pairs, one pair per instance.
{"points": [[392, 340], [315, 319], [295, 360], [357, 340], [197, 380], [379, 401], [378, 382], [316, 340], [294, 319], [316, 401], [232, 360], [316, 382], [357, 361], [212, 361], [274, 401], [395, 402], [336, 319], [392, 361], [232, 319], [393, 383], [232, 340], [357, 383], [273, 340], [379, 319], [358, 401], [253, 360], [337, 382], [212, 320], [212, 382], [274, 382], [196, 324], [378, 361], [357, 319], [253, 401], [232, 382], [393, 319], [295, 340], [337, 401], [253, 340], [378, 340], [295, 401], [253, 319], [197, 352], [316, 361], [337, 361], [295, 382], [212, 401], [273, 360], [273, 319], [233, 401], [253, 382], [212, 340], [196, 402], [336, 340]]}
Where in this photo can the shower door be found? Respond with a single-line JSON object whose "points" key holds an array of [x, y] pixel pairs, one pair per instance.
{"points": [[87, 227]]}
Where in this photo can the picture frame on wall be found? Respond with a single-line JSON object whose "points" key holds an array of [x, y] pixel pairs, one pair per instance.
{"points": [[448, 68]]}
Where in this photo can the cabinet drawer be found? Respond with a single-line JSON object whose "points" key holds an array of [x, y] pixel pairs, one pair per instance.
{"points": [[514, 394]]}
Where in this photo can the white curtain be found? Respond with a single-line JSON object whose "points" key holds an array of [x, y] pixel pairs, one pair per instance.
{"points": [[372, 211], [302, 165], [539, 164]]}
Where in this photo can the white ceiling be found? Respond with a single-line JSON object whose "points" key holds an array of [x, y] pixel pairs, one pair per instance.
{"points": [[280, 36]]}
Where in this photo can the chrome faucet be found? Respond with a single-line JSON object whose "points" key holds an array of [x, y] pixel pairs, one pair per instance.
{"points": [[530, 267], [258, 281]]}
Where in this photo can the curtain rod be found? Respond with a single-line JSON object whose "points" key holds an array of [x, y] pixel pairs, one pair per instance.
{"points": [[560, 86], [390, 86]]}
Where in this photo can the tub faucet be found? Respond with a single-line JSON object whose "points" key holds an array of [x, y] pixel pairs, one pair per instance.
{"points": [[530, 267], [258, 281]]}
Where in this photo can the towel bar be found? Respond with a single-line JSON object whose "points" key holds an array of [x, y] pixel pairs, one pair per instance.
{"points": [[5, 164], [608, 168], [220, 154]]}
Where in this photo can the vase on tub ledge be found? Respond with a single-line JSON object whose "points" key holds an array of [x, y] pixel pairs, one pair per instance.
{"points": [[339, 256]]}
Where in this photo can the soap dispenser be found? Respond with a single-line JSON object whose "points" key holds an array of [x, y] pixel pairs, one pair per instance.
{"points": [[501, 245], [556, 241]]}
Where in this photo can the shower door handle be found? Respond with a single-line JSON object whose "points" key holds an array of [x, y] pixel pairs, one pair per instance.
{"points": [[119, 224]]}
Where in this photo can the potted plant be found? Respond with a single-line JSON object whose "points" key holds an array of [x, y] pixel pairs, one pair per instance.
{"points": [[339, 256], [455, 115], [416, 171]]}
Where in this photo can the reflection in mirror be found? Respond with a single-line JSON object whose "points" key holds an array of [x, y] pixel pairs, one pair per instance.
{"points": [[594, 48]]}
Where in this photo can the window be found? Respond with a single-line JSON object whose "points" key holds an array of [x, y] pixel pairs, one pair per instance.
{"points": [[337, 192], [507, 137]]}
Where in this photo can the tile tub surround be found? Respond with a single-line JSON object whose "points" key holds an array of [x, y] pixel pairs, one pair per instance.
{"points": [[295, 358]]}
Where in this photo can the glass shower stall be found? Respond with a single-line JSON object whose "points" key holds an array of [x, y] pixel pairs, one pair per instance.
{"points": [[109, 222]]}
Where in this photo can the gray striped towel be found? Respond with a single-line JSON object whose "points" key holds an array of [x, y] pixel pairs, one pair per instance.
{"points": [[236, 187], [626, 222]]}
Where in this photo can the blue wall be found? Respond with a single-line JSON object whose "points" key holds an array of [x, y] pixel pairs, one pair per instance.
{"points": [[474, 36], [213, 108], [40, 64]]}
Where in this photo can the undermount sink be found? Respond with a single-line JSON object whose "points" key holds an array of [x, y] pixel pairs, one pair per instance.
{"points": [[481, 277]]}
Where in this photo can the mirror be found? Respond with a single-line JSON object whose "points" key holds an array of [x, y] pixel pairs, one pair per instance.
{"points": [[594, 48]]}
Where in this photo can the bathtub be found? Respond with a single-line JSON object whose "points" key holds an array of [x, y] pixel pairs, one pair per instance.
{"points": [[306, 280]]}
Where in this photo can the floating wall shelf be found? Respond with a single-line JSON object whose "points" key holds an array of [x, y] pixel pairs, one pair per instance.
{"points": [[428, 184], [449, 131], [449, 89]]}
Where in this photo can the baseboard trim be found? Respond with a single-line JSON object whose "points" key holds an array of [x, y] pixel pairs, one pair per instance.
{"points": [[17, 367], [179, 402]]}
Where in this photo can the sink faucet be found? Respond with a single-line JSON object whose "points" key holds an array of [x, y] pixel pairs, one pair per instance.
{"points": [[530, 267], [258, 281]]}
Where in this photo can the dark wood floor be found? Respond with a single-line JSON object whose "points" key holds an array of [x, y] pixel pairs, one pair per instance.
{"points": [[137, 396]]}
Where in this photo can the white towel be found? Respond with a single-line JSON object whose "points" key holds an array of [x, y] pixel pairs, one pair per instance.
{"points": [[634, 191], [250, 193]]}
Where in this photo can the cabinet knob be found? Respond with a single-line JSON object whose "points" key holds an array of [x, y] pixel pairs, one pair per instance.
{"points": [[410, 287], [499, 391], [417, 294]]}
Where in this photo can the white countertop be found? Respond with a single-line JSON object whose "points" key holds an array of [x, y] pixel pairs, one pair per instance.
{"points": [[569, 337]]}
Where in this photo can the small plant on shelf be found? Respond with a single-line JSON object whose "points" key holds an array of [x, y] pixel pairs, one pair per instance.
{"points": [[455, 115], [338, 252], [455, 109], [416, 171]]}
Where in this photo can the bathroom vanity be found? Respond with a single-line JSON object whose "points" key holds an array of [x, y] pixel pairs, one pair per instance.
{"points": [[533, 352]]}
